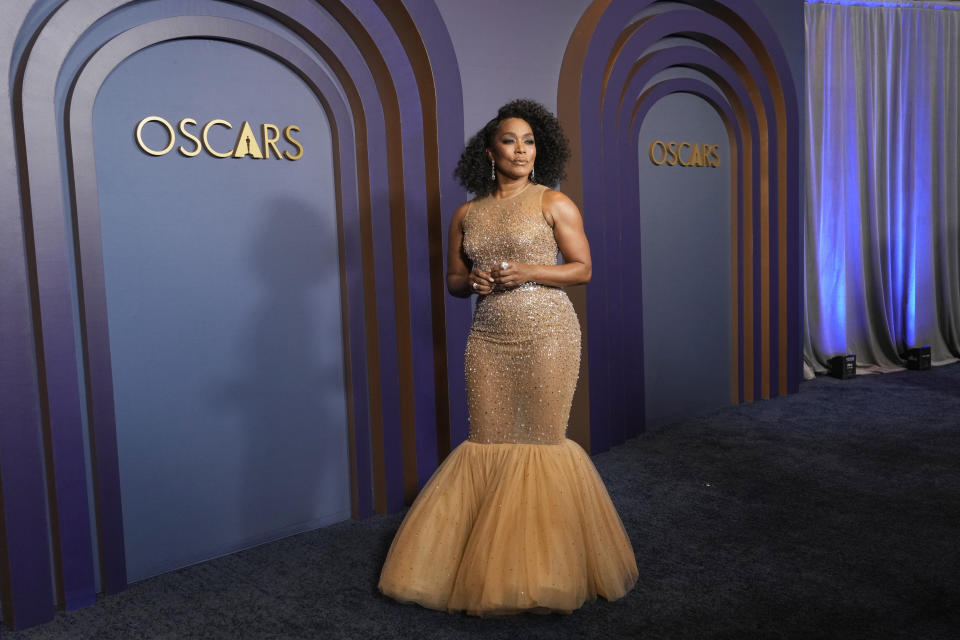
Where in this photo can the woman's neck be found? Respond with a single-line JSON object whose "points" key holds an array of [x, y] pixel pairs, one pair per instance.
{"points": [[507, 189]]}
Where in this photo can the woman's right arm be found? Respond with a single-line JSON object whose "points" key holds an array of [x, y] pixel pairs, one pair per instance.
{"points": [[460, 277]]}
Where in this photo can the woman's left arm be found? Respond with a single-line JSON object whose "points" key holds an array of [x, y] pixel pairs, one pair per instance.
{"points": [[563, 215]]}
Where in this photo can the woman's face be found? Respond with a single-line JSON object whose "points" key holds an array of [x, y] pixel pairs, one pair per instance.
{"points": [[513, 148]]}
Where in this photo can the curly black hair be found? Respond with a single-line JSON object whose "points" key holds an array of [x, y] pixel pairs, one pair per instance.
{"points": [[553, 150]]}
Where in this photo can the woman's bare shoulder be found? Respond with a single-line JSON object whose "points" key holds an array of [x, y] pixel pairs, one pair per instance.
{"points": [[461, 212], [556, 204]]}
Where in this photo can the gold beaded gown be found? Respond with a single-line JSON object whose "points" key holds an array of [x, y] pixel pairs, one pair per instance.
{"points": [[516, 518]]}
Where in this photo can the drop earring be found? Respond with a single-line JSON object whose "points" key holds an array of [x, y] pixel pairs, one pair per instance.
{"points": [[493, 169], [532, 172]]}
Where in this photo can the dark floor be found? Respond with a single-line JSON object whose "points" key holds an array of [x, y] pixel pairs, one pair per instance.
{"points": [[831, 513]]}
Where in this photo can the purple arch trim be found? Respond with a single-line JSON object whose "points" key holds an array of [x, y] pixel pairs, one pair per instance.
{"points": [[79, 109], [309, 19], [73, 551], [723, 27], [601, 294], [380, 213], [737, 94], [320, 29], [693, 24], [40, 64], [70, 16], [26, 584], [617, 119], [749, 16], [357, 301], [449, 94], [418, 250]]}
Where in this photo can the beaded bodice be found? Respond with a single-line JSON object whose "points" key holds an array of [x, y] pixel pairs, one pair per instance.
{"points": [[523, 354], [509, 229]]}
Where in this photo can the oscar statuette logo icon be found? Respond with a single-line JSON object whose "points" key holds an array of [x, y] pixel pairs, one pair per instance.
{"points": [[684, 154], [247, 144]]}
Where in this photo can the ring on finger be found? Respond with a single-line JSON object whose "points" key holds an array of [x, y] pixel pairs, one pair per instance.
{"points": [[474, 285]]}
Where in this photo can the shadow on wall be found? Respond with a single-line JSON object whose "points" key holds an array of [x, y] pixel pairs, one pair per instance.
{"points": [[288, 403]]}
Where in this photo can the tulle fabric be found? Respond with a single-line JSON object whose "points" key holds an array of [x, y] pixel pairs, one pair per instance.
{"points": [[503, 528]]}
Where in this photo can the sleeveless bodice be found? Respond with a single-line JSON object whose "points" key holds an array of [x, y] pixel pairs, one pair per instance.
{"points": [[509, 229], [523, 354]]}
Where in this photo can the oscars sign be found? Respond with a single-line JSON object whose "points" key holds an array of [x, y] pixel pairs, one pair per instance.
{"points": [[247, 144], [685, 154]]}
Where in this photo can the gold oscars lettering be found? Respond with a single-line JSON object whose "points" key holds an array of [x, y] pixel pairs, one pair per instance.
{"points": [[685, 154], [247, 143]]}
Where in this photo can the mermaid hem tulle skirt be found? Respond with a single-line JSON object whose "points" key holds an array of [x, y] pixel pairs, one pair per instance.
{"points": [[504, 528]]}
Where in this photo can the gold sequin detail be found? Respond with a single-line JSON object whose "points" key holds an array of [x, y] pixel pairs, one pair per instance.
{"points": [[523, 352]]}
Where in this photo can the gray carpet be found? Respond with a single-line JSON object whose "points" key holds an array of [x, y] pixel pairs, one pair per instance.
{"points": [[831, 513]]}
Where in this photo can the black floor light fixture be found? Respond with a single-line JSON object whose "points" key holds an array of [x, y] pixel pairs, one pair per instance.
{"points": [[843, 367], [918, 358]]}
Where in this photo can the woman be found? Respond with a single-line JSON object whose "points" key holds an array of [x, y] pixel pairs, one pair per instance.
{"points": [[516, 518]]}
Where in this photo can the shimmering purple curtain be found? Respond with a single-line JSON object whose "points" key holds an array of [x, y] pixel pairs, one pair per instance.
{"points": [[882, 182]]}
